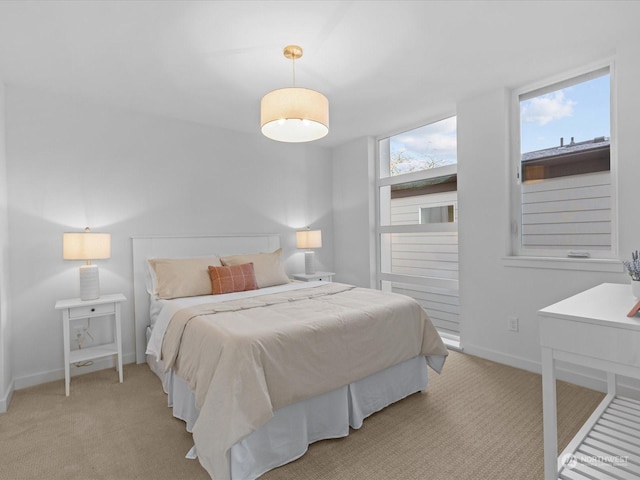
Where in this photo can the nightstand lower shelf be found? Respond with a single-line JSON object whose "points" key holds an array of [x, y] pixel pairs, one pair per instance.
{"points": [[76, 356]]}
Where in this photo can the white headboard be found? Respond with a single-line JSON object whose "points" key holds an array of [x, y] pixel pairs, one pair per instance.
{"points": [[172, 246]]}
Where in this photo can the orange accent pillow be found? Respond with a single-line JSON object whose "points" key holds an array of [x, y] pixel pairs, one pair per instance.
{"points": [[234, 278]]}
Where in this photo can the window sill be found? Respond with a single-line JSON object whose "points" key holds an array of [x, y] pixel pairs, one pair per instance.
{"points": [[577, 264]]}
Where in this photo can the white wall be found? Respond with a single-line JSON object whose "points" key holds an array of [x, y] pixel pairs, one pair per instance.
{"points": [[490, 291], [73, 164], [628, 72], [5, 331], [353, 212]]}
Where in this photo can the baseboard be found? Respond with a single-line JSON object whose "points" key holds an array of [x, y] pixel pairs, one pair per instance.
{"points": [[584, 377], [58, 374], [6, 400], [500, 357]]}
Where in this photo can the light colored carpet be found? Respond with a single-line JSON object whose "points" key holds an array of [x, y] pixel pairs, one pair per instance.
{"points": [[478, 420]]}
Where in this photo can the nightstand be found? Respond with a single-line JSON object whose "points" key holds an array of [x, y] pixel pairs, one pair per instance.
{"points": [[76, 309], [321, 276]]}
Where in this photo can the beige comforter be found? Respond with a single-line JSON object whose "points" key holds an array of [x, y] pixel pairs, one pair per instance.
{"points": [[246, 358]]}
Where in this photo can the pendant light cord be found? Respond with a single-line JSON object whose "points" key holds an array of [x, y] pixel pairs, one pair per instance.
{"points": [[293, 66]]}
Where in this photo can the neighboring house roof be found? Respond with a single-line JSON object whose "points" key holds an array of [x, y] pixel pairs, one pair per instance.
{"points": [[571, 148], [576, 158], [446, 183]]}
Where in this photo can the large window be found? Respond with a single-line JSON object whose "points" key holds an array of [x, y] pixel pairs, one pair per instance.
{"points": [[417, 219], [564, 195]]}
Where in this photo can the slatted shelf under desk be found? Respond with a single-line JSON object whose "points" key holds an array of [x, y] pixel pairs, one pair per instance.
{"points": [[608, 445]]}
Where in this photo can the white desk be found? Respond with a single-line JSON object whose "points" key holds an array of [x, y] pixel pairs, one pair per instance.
{"points": [[592, 329]]}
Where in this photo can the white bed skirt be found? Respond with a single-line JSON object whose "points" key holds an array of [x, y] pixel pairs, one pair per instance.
{"points": [[293, 428]]}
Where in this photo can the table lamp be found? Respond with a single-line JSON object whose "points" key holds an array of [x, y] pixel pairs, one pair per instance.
{"points": [[87, 246], [309, 239]]}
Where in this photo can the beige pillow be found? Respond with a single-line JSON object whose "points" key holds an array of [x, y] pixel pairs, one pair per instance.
{"points": [[182, 277], [269, 271]]}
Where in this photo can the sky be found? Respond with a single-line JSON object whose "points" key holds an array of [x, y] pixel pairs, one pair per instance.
{"points": [[581, 111], [436, 142]]}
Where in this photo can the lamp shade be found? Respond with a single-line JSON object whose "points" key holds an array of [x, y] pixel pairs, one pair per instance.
{"points": [[294, 115], [86, 246], [309, 239]]}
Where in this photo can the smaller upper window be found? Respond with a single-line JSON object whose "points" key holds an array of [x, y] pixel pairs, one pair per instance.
{"points": [[430, 146], [565, 128]]}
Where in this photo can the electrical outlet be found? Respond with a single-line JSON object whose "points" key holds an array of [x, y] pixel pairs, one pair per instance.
{"points": [[513, 324]]}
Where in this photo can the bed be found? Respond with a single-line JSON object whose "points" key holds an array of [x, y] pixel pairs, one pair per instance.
{"points": [[258, 374]]}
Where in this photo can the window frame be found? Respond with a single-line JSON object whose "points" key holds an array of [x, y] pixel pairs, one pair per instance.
{"points": [[384, 178], [558, 258], [445, 290]]}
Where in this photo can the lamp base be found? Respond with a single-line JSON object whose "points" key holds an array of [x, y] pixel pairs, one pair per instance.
{"points": [[89, 282], [309, 262]]}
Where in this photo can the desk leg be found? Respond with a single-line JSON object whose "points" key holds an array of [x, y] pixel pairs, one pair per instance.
{"points": [[549, 413], [67, 349], [612, 384]]}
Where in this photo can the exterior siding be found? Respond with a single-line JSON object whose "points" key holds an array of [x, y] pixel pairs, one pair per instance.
{"points": [[432, 255], [568, 212]]}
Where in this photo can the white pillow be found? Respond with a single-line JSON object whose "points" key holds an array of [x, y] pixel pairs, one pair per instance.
{"points": [[180, 277], [268, 269]]}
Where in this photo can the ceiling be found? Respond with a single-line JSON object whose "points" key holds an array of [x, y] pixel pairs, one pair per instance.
{"points": [[384, 65]]}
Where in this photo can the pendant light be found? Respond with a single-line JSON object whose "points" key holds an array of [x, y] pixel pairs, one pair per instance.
{"points": [[294, 114]]}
